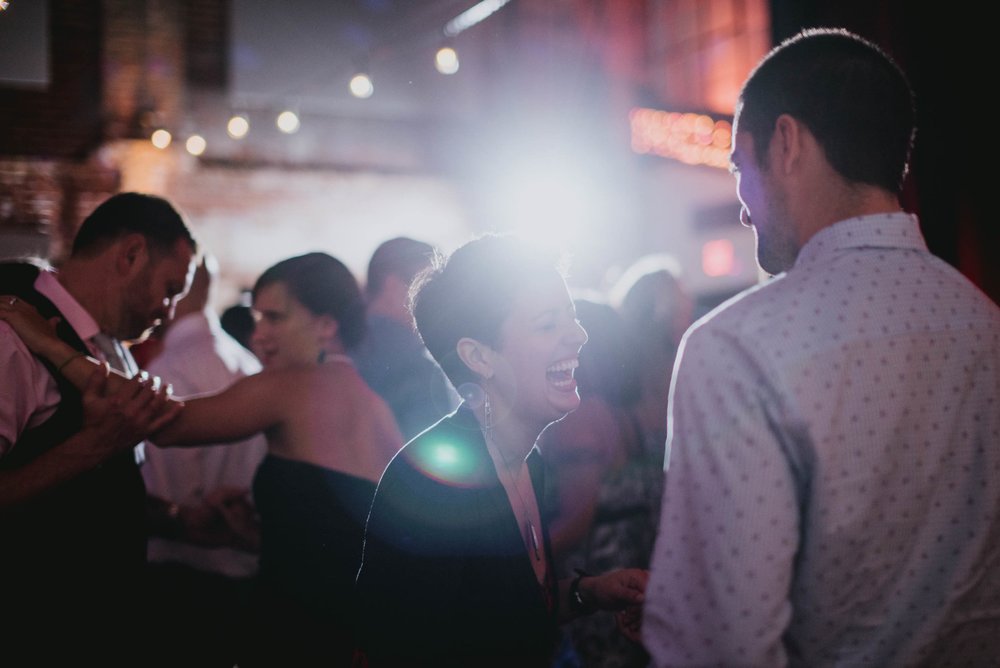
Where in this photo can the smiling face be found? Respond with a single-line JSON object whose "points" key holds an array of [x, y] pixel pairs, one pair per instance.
{"points": [[764, 206], [538, 350], [287, 334]]}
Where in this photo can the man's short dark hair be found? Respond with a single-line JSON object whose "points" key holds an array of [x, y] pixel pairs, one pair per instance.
{"points": [[851, 95], [402, 257], [126, 213]]}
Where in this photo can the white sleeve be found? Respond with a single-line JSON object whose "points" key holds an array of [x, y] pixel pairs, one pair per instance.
{"points": [[722, 565]]}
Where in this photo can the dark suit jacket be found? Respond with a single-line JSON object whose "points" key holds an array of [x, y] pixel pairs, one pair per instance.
{"points": [[445, 579]]}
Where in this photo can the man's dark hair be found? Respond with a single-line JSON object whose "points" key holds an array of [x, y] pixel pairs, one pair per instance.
{"points": [[849, 93], [402, 257], [325, 286], [126, 213]]}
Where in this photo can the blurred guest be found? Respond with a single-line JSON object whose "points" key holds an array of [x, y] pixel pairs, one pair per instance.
{"points": [[329, 437], [832, 495], [657, 309], [392, 359], [237, 322], [72, 531], [457, 567], [605, 488], [200, 570]]}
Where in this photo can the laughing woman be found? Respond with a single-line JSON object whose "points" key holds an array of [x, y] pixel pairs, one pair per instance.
{"points": [[457, 567], [329, 437]]}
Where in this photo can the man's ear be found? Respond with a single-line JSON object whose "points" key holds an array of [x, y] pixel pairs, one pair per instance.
{"points": [[131, 254], [786, 143], [477, 356]]}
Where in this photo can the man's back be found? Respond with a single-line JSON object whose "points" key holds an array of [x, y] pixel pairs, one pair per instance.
{"points": [[393, 361], [851, 406]]}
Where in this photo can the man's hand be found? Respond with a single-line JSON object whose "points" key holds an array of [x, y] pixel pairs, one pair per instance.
{"points": [[121, 419]]}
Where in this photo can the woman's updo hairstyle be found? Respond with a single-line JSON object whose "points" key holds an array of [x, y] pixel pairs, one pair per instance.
{"points": [[325, 286]]}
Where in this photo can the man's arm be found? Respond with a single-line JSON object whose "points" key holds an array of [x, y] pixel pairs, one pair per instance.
{"points": [[722, 566], [113, 421]]}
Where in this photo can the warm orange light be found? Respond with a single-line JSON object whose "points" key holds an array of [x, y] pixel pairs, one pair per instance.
{"points": [[695, 139], [718, 258]]}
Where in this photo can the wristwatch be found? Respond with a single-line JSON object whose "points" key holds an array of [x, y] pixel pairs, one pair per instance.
{"points": [[576, 598]]}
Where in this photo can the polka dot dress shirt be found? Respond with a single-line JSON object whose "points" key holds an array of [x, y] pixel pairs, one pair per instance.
{"points": [[832, 492]]}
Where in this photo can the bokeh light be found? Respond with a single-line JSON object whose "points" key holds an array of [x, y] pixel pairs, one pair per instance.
{"points": [[362, 86], [446, 60], [195, 144], [288, 122], [238, 127], [161, 138]]}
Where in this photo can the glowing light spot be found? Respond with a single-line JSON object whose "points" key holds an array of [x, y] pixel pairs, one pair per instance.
{"points": [[195, 144], [362, 86], [161, 139], [694, 139], [718, 258], [446, 60], [238, 127], [445, 462], [288, 122]]}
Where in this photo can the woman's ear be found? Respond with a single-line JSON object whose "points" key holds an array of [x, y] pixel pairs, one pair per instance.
{"points": [[327, 329], [477, 356]]}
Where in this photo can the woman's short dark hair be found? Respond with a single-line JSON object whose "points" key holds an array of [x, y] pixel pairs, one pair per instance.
{"points": [[325, 286], [471, 292]]}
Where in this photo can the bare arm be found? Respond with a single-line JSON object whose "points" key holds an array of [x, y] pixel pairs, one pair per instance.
{"points": [[251, 405]]}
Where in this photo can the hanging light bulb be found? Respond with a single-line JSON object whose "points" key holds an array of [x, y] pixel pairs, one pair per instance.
{"points": [[161, 138], [287, 121], [238, 126], [446, 60], [361, 86], [195, 144]]}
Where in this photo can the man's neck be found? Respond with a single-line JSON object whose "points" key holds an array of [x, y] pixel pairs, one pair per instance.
{"points": [[849, 201], [87, 287]]}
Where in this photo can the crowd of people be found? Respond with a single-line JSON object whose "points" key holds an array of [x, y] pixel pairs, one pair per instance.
{"points": [[456, 463]]}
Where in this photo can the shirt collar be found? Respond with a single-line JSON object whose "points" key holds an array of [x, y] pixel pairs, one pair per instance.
{"points": [[883, 230], [72, 312]]}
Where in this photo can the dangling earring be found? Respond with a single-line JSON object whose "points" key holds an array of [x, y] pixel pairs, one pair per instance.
{"points": [[487, 416]]}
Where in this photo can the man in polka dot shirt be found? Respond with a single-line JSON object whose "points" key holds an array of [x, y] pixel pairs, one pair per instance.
{"points": [[832, 491]]}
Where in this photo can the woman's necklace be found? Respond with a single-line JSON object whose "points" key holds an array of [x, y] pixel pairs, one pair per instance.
{"points": [[530, 532]]}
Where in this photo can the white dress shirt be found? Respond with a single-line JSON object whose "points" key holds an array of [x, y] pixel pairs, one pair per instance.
{"points": [[200, 358], [832, 492]]}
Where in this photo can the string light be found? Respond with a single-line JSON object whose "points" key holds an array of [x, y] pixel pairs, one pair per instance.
{"points": [[161, 138], [287, 122], [446, 60], [195, 145], [361, 86], [238, 126]]}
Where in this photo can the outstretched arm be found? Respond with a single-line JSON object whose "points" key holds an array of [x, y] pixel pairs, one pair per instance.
{"points": [[251, 405]]}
